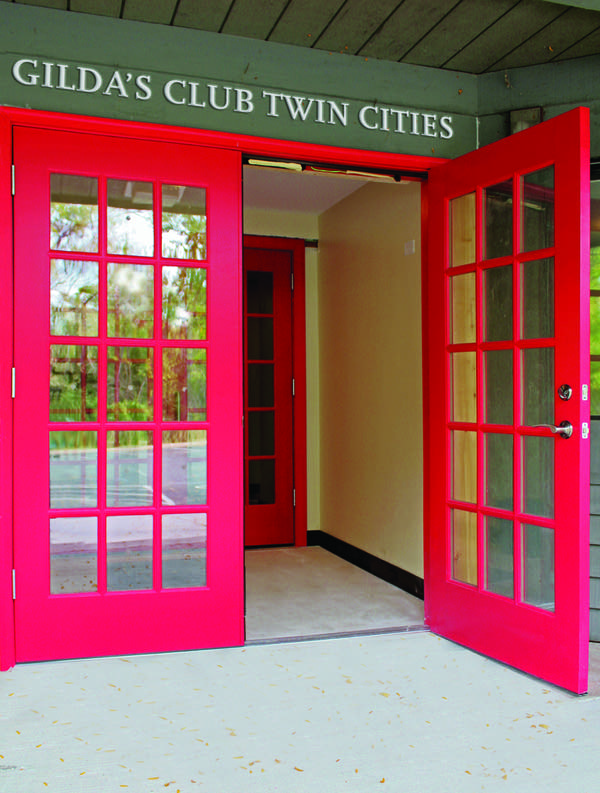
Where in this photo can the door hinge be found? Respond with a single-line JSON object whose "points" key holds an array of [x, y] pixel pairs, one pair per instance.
{"points": [[294, 492], [292, 281], [12, 180], [585, 430], [293, 386], [13, 382], [14, 584]]}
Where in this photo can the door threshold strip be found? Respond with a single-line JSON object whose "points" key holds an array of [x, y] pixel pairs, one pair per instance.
{"points": [[337, 635]]}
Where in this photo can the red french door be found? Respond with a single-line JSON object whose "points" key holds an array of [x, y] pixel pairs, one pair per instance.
{"points": [[128, 396], [269, 444], [508, 564]]}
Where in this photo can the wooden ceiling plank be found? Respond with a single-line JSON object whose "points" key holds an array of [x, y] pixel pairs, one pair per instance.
{"points": [[157, 11], [303, 21], [61, 4], [253, 19], [555, 38], [104, 8], [354, 25], [463, 24], [201, 15], [405, 27], [590, 45], [510, 31]]}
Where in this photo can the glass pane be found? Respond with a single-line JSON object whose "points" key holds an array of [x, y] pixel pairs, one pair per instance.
{"points": [[73, 555], [538, 566], [464, 546], [538, 385], [260, 339], [130, 218], [537, 313], [498, 468], [499, 556], [184, 467], [498, 308], [73, 213], [129, 384], [73, 382], [595, 388], [184, 303], [184, 384], [183, 550], [595, 238], [73, 469], [462, 230], [183, 222], [261, 432], [595, 325], [462, 314], [464, 466], [259, 292], [464, 386], [538, 476], [73, 298], [537, 209], [261, 388], [261, 482], [129, 469], [128, 552], [498, 220], [130, 301], [498, 373]]}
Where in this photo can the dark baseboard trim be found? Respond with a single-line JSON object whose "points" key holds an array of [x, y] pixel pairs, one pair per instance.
{"points": [[366, 561]]}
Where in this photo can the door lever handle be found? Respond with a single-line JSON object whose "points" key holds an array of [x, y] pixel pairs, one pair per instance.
{"points": [[564, 429]]}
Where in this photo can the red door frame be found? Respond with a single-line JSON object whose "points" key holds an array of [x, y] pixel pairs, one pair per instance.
{"points": [[10, 117], [296, 249], [247, 144]]}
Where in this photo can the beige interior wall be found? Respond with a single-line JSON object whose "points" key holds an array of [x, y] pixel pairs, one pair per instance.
{"points": [[301, 226], [371, 369]]}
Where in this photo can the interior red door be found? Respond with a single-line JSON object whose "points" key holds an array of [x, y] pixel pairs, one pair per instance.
{"points": [[269, 449], [128, 460], [508, 543]]}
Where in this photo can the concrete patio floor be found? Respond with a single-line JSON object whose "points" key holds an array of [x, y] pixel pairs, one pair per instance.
{"points": [[397, 712]]}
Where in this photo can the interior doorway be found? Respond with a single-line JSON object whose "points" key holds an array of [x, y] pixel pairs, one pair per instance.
{"points": [[269, 392], [361, 236]]}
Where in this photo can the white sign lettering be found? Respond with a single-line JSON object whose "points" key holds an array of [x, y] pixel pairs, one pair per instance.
{"points": [[217, 97]]}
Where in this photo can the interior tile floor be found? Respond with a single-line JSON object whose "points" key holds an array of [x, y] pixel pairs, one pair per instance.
{"points": [[302, 592]]}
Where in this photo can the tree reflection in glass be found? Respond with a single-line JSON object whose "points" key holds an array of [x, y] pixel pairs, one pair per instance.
{"points": [[184, 384], [129, 384], [73, 383], [184, 303], [73, 213], [73, 298], [183, 222], [130, 313]]}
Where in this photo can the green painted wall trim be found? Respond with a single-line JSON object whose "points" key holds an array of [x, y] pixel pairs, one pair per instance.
{"points": [[257, 70], [555, 87], [249, 72], [575, 82]]}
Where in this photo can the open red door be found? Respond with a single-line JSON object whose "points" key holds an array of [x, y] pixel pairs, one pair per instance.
{"points": [[508, 301], [128, 399]]}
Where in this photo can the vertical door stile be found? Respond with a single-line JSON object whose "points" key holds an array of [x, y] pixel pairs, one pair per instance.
{"points": [[8, 179]]}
